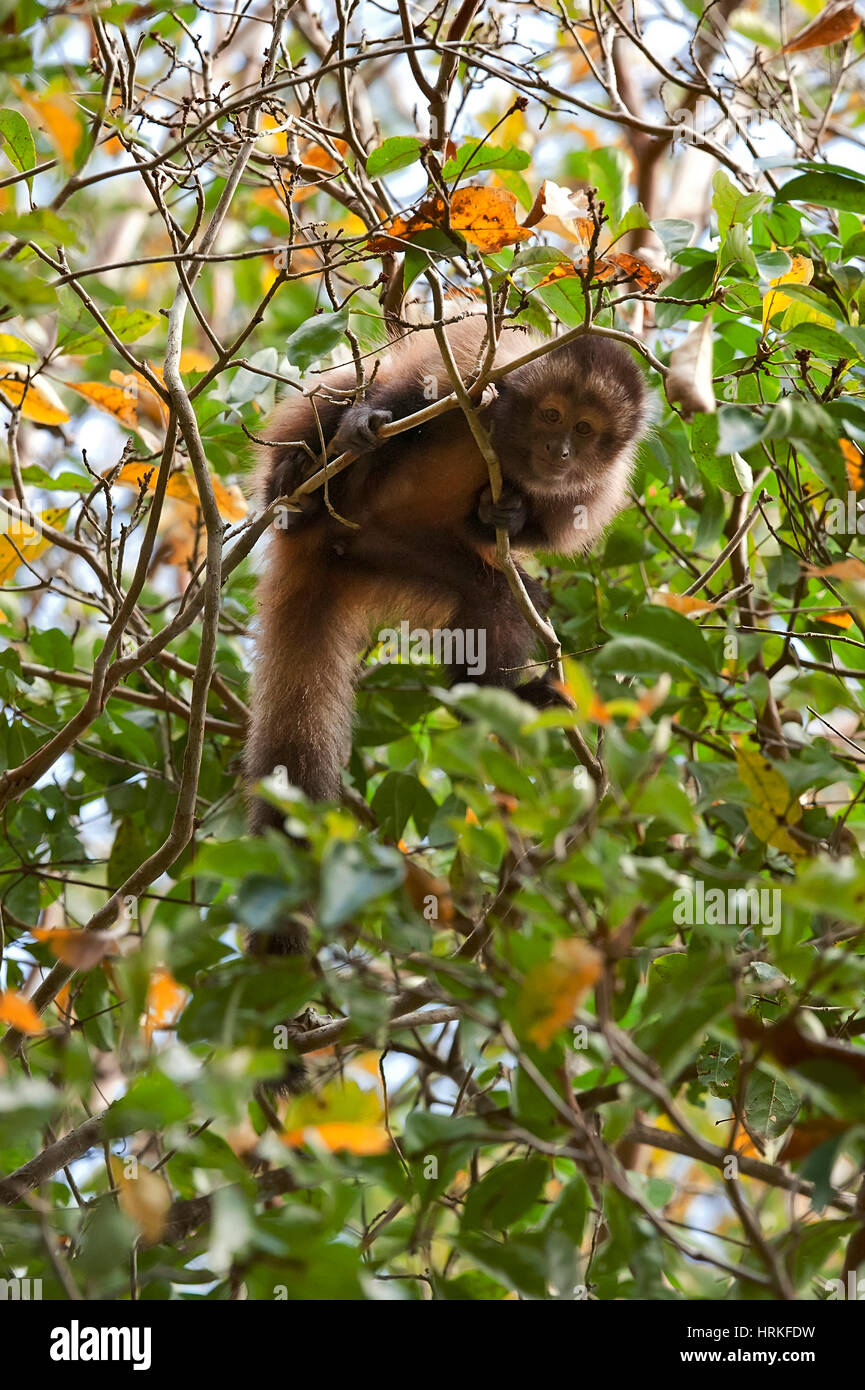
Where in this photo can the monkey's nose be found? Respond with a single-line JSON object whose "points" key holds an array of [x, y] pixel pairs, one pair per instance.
{"points": [[560, 451]]}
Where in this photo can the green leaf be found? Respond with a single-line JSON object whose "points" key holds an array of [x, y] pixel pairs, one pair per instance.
{"points": [[670, 633], [475, 155], [18, 145], [825, 342], [504, 1195], [14, 349], [770, 1105], [739, 429], [354, 873], [608, 170], [53, 648], [694, 283], [316, 338], [773, 264], [827, 190], [396, 153], [731, 204], [127, 324], [399, 798], [636, 217], [736, 250], [22, 292], [675, 234]]}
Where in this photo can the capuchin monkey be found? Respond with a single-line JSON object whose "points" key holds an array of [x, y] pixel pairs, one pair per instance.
{"points": [[407, 531]]}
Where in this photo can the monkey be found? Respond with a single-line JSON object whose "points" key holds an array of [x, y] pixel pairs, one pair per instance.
{"points": [[408, 529]]}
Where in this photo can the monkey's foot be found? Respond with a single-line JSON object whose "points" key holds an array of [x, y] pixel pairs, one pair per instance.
{"points": [[358, 432], [294, 1078], [543, 694], [306, 1021]]}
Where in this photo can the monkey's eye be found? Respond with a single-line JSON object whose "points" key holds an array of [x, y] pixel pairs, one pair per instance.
{"points": [[551, 416], [583, 427]]}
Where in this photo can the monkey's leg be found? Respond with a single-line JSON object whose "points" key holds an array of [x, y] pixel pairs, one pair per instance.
{"points": [[503, 640]]}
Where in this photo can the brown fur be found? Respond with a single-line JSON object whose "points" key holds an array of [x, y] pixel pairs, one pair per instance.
{"points": [[421, 551]]}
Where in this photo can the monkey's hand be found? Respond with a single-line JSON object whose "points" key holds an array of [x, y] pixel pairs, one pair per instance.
{"points": [[508, 514], [358, 430], [293, 467]]}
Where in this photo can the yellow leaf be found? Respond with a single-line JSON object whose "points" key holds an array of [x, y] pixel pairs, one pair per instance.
{"points": [[22, 541], [271, 140], [119, 401], [144, 1197], [19, 1012], [800, 273], [775, 808], [340, 1116], [15, 349], [192, 360], [552, 991], [35, 402], [578, 685]]}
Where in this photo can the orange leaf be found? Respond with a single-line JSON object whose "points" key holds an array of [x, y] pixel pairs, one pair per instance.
{"points": [[842, 569], [839, 618], [804, 1138], [631, 267], [56, 114], [617, 263], [192, 360], [144, 1198], [683, 603], [342, 1134], [484, 216], [118, 401], [421, 885], [552, 991], [229, 499], [19, 1012], [854, 464], [836, 23], [165, 999], [80, 949]]}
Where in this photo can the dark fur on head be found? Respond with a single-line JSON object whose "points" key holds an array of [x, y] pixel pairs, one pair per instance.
{"points": [[559, 422]]}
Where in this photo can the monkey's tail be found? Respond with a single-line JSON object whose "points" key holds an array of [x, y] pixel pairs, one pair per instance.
{"points": [[302, 686]]}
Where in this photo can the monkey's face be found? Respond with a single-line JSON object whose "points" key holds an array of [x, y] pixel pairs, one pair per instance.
{"points": [[566, 435], [556, 442], [562, 422]]}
